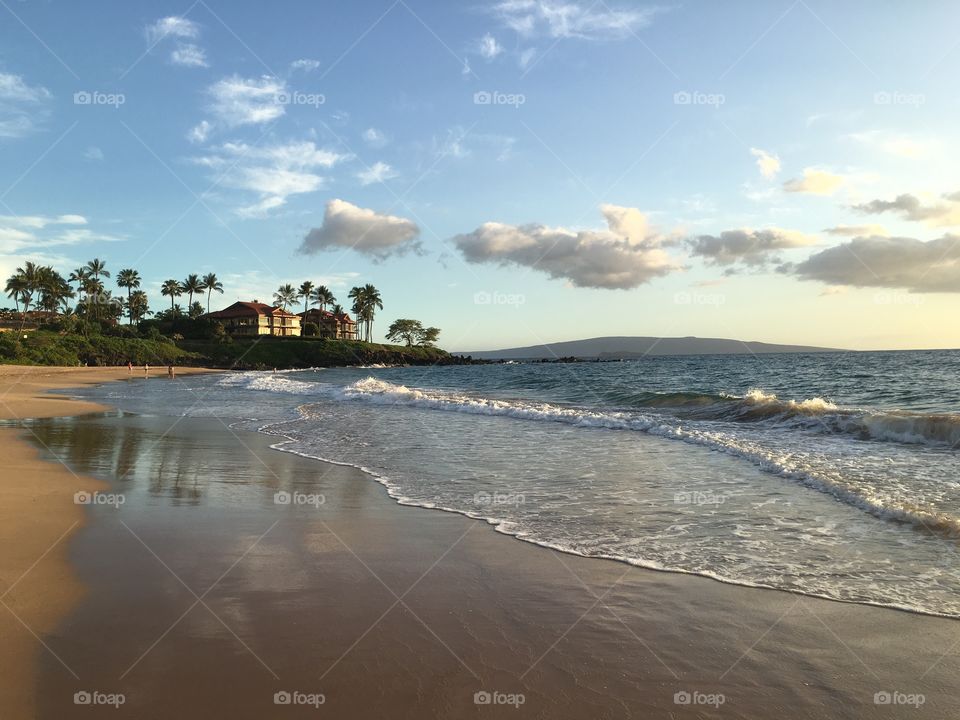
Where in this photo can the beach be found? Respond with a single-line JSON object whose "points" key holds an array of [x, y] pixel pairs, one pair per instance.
{"points": [[37, 518], [228, 579]]}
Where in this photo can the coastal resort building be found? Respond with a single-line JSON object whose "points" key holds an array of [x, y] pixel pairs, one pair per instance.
{"points": [[252, 319], [329, 325]]}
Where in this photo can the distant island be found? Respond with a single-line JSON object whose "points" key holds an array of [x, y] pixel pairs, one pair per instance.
{"points": [[625, 348]]}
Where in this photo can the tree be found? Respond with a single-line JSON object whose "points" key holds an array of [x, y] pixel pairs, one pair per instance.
{"points": [[286, 295], [412, 332], [323, 297], [366, 301], [407, 330], [306, 293], [210, 284], [129, 279], [16, 288], [97, 267], [137, 306], [172, 289], [79, 276], [191, 286]]}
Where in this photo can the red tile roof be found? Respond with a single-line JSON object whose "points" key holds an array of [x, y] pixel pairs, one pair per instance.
{"points": [[248, 309]]}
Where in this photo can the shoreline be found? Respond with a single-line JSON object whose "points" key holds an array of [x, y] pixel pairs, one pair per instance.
{"points": [[576, 636], [38, 586]]}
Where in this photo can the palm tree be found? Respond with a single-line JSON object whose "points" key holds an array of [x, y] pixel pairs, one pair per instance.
{"points": [[97, 267], [15, 288], [79, 276], [374, 302], [306, 292], [193, 284], [323, 297], [129, 279], [285, 295], [211, 283], [30, 277], [137, 305], [173, 289]]}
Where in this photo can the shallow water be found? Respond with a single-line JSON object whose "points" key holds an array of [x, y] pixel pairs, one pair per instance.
{"points": [[832, 474]]}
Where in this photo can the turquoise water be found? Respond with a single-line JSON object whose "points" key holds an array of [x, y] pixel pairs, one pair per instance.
{"points": [[833, 474]]}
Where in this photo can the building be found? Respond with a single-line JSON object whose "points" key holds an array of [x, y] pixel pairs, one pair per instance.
{"points": [[252, 319], [335, 327]]}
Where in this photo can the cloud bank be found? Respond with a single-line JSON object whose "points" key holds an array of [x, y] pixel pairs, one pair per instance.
{"points": [[378, 235], [889, 262], [814, 182], [940, 213], [625, 255], [750, 247]]}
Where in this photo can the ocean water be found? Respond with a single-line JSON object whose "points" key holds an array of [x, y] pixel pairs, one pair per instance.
{"points": [[834, 475]]}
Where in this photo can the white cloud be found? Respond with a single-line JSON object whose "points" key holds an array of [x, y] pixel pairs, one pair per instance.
{"points": [[378, 173], [93, 153], [623, 256], [304, 65], [570, 18], [459, 143], [240, 101], [767, 163], [857, 230], [22, 107], [37, 232], [814, 182], [200, 132], [172, 26], [526, 57], [272, 172], [189, 55], [375, 234], [375, 138], [891, 262], [488, 47], [936, 212], [750, 247]]}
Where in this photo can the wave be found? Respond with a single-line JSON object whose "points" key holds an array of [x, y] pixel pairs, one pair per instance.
{"points": [[928, 519], [820, 415]]}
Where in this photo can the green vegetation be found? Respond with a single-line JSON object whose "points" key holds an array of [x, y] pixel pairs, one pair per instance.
{"points": [[412, 332], [88, 346], [304, 352], [44, 329]]}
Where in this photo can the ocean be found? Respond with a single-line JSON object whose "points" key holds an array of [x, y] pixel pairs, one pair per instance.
{"points": [[834, 475]]}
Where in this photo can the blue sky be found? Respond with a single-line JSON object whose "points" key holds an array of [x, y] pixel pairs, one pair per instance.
{"points": [[513, 172]]}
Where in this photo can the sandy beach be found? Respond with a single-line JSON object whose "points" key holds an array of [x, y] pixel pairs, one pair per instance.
{"points": [[203, 596], [37, 517]]}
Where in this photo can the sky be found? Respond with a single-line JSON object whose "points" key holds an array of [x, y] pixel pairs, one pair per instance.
{"points": [[511, 171]]}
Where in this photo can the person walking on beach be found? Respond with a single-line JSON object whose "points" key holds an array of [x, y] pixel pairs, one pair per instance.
{"points": [[170, 372], [146, 369], [130, 366]]}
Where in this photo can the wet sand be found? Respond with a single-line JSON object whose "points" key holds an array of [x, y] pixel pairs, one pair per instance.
{"points": [[206, 598], [37, 518]]}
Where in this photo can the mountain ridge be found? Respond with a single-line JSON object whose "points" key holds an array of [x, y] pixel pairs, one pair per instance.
{"points": [[632, 347]]}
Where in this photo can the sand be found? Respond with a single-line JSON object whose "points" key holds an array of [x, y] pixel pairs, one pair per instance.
{"points": [[203, 598], [37, 518]]}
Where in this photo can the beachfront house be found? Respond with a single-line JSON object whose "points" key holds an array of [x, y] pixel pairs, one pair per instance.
{"points": [[252, 319], [329, 325]]}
